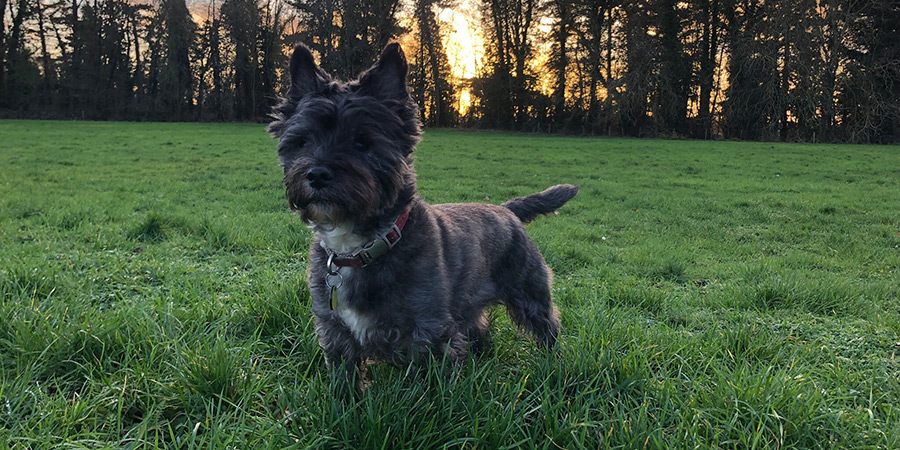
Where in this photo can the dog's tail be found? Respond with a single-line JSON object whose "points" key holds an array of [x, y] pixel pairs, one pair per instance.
{"points": [[529, 207]]}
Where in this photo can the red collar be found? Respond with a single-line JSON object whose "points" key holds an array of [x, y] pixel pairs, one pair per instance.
{"points": [[372, 250]]}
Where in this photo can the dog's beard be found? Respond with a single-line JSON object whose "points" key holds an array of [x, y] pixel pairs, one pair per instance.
{"points": [[356, 195], [322, 214], [331, 207]]}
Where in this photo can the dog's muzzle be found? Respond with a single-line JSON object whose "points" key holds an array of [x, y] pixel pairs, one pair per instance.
{"points": [[319, 177]]}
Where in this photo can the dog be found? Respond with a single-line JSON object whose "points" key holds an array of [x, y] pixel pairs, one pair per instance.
{"points": [[390, 276]]}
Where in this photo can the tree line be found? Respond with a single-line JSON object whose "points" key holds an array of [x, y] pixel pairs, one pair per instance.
{"points": [[801, 70]]}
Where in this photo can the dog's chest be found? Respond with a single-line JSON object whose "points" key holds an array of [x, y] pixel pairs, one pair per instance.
{"points": [[358, 323], [341, 239]]}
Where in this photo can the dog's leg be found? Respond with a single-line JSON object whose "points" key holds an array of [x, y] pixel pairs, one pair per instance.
{"points": [[346, 376], [454, 350], [438, 358], [446, 346], [479, 335], [343, 357], [530, 307], [442, 351]]}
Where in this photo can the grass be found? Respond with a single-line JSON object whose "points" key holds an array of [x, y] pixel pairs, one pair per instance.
{"points": [[713, 294]]}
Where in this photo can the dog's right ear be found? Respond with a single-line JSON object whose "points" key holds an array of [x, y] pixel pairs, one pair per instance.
{"points": [[306, 76]]}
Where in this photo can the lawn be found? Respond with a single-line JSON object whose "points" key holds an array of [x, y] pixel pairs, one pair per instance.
{"points": [[713, 294]]}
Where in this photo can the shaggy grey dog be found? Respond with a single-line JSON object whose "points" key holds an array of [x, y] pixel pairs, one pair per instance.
{"points": [[392, 277]]}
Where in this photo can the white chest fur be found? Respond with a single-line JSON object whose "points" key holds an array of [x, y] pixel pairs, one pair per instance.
{"points": [[341, 239], [358, 323]]}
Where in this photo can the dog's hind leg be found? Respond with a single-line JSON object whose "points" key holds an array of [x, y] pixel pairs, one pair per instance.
{"points": [[535, 313], [523, 281], [479, 335], [447, 346], [530, 307]]}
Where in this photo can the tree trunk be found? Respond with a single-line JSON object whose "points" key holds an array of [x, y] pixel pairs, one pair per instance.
{"points": [[521, 24], [832, 43], [437, 94], [45, 55], [709, 43], [609, 76], [2, 52], [138, 70], [13, 45], [595, 52], [785, 86], [562, 62]]}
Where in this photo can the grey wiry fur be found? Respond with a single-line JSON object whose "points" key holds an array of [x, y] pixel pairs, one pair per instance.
{"points": [[529, 207], [346, 152]]}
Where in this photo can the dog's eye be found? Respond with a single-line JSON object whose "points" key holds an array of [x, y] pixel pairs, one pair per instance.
{"points": [[293, 147], [361, 144]]}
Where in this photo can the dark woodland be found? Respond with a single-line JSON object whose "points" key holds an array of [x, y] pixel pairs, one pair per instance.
{"points": [[774, 70]]}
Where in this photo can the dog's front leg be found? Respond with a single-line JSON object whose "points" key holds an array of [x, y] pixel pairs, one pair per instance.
{"points": [[343, 356], [440, 354], [346, 376]]}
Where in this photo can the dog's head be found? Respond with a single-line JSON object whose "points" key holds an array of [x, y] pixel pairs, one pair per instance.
{"points": [[346, 147]]}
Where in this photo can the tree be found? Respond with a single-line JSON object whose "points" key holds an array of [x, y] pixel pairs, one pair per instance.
{"points": [[809, 70], [241, 19], [564, 13], [868, 95], [212, 99], [709, 21], [18, 75], [674, 85], [593, 26], [347, 34], [430, 77], [271, 51], [640, 49], [752, 90], [505, 90], [176, 78], [47, 70]]}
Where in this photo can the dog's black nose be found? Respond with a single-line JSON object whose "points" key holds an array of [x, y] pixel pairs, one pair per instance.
{"points": [[319, 177]]}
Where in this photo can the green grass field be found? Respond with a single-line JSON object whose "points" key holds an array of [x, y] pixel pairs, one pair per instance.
{"points": [[713, 294]]}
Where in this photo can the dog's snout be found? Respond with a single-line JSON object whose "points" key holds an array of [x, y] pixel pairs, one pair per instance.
{"points": [[319, 177]]}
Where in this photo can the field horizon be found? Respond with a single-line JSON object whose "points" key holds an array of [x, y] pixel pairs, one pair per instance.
{"points": [[712, 293]]}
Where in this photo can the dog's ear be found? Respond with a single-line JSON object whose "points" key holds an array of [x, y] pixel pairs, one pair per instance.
{"points": [[306, 76], [386, 80]]}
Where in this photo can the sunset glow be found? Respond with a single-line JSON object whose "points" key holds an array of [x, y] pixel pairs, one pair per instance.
{"points": [[464, 45], [462, 39], [465, 101]]}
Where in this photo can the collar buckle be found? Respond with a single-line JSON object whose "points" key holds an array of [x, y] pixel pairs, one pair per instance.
{"points": [[392, 236], [372, 250]]}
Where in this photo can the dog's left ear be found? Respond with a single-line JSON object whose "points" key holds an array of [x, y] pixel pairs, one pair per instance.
{"points": [[386, 80]]}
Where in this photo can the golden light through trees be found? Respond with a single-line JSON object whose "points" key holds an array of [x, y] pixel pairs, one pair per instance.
{"points": [[805, 70], [464, 44], [462, 39]]}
